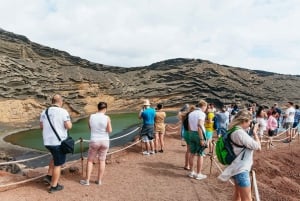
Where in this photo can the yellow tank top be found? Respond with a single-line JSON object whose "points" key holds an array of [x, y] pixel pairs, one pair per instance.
{"points": [[209, 124]]}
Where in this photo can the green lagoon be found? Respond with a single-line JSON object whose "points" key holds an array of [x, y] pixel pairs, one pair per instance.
{"points": [[122, 123], [33, 138]]}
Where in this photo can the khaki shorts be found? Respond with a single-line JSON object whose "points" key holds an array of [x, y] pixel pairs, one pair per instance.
{"points": [[99, 148], [288, 125]]}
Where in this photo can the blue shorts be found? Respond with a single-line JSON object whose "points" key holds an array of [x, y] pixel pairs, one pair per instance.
{"points": [[59, 158], [147, 130], [221, 131], [209, 135], [182, 130], [242, 179]]}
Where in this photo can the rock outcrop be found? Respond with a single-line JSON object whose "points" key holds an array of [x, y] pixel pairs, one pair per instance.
{"points": [[32, 73]]}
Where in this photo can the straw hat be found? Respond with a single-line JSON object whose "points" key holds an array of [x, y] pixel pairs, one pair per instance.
{"points": [[146, 102]]}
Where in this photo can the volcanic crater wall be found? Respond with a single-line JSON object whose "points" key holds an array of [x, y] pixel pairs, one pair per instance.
{"points": [[31, 73]]}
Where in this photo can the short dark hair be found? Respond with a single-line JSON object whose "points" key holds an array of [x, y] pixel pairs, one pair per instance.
{"points": [[159, 106], [102, 105], [291, 103]]}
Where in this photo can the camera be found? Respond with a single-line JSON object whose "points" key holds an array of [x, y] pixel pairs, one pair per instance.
{"points": [[253, 122], [203, 147], [252, 125]]}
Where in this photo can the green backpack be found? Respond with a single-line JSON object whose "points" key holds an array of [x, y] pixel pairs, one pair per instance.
{"points": [[224, 149]]}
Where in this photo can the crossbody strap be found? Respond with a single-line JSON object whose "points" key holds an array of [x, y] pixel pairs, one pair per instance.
{"points": [[52, 125], [203, 133], [235, 144], [229, 132]]}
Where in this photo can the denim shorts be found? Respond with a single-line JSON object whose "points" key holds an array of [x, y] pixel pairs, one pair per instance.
{"points": [[59, 158], [288, 125], [221, 131], [145, 138], [242, 179], [147, 130]]}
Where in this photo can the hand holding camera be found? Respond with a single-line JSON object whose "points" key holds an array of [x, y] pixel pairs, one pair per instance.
{"points": [[253, 128]]}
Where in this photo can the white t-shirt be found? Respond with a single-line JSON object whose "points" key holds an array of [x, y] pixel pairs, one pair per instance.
{"points": [[98, 125], [194, 118], [262, 125], [290, 112], [242, 138], [58, 116]]}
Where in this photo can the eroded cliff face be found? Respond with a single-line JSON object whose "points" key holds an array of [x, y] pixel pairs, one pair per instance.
{"points": [[31, 73]]}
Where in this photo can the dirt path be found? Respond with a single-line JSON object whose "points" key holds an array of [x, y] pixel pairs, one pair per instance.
{"points": [[132, 176]]}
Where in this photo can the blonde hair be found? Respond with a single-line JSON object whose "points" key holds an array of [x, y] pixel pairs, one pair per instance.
{"points": [[191, 109], [202, 103], [241, 117]]}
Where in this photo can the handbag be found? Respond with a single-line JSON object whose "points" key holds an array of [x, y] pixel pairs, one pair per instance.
{"points": [[67, 145]]}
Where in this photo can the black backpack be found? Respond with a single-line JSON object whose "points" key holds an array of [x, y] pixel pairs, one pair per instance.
{"points": [[216, 123], [186, 122]]}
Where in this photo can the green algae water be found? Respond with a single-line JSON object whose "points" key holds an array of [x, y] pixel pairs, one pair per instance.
{"points": [[122, 123], [33, 138]]}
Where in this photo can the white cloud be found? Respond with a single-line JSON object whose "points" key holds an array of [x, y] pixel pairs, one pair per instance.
{"points": [[252, 34]]}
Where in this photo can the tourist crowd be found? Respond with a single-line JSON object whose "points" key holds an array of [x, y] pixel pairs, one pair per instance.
{"points": [[200, 124]]}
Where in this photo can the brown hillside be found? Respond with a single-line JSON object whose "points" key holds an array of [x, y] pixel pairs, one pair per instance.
{"points": [[31, 73]]}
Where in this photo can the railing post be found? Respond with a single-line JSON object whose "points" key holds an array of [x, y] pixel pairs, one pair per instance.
{"points": [[81, 154], [212, 157], [256, 193]]}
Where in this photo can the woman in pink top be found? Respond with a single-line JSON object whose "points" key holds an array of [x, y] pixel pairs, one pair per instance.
{"points": [[272, 125]]}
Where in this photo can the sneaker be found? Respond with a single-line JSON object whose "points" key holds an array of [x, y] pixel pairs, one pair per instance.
{"points": [[152, 152], [47, 179], [192, 174], [84, 182], [56, 188], [161, 151], [98, 182], [200, 176], [146, 153]]}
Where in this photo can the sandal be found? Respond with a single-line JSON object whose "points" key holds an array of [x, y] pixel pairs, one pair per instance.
{"points": [[186, 168]]}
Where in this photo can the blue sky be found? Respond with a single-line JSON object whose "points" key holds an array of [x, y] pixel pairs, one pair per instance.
{"points": [[253, 34]]}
